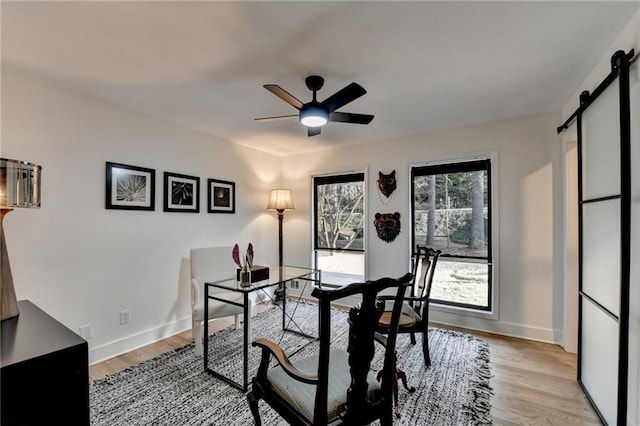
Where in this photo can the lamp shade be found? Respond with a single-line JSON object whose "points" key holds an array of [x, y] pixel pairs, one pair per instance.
{"points": [[19, 184], [280, 200]]}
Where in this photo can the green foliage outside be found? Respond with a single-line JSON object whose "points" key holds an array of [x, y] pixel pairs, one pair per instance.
{"points": [[459, 230]]}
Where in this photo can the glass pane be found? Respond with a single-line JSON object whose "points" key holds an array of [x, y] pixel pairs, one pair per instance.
{"points": [[339, 215], [451, 212], [600, 145], [599, 356], [464, 283], [601, 253], [340, 268]]}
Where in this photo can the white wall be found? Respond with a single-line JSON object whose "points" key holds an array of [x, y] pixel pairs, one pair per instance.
{"points": [[84, 264], [628, 39], [529, 214]]}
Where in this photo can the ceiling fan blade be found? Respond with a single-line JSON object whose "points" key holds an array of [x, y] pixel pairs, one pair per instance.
{"points": [[277, 117], [284, 95], [344, 96], [348, 117], [313, 131]]}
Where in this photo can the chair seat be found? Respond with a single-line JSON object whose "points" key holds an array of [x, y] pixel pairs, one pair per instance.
{"points": [[219, 309], [406, 309], [302, 396]]}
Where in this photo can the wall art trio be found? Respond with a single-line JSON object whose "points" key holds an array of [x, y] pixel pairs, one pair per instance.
{"points": [[133, 188]]}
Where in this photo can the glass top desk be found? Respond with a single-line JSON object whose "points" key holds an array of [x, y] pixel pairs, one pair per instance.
{"points": [[277, 277]]}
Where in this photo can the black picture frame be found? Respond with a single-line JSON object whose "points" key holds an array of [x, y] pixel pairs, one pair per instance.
{"points": [[181, 193], [221, 196], [129, 187]]}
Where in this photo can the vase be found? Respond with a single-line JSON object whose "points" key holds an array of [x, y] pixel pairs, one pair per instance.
{"points": [[245, 277]]}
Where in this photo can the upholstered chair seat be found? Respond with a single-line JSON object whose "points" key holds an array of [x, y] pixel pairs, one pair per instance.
{"points": [[218, 310], [302, 396]]}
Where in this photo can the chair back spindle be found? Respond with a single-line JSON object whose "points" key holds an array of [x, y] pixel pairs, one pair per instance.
{"points": [[424, 265]]}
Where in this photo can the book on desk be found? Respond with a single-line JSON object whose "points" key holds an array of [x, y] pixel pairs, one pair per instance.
{"points": [[258, 273]]}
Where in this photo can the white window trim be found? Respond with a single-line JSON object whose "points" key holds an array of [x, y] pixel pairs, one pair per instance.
{"points": [[494, 314]]}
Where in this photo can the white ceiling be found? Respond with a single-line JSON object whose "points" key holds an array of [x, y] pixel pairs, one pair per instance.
{"points": [[425, 65]]}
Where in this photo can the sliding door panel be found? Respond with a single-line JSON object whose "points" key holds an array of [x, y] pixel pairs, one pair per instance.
{"points": [[601, 253]]}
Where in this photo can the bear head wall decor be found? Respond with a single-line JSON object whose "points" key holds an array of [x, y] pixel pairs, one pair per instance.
{"points": [[387, 183], [387, 226]]}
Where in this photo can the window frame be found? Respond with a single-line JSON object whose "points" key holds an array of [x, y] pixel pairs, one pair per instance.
{"points": [[454, 165], [331, 178]]}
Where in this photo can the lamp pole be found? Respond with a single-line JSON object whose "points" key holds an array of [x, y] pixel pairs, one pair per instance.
{"points": [[280, 217]]}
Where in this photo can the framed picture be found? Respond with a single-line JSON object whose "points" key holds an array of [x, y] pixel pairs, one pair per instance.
{"points": [[181, 193], [222, 196], [130, 187]]}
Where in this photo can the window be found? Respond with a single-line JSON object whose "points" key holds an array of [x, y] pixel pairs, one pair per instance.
{"points": [[451, 211], [338, 210]]}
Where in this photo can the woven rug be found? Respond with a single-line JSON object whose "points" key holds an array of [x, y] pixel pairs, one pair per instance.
{"points": [[173, 389]]}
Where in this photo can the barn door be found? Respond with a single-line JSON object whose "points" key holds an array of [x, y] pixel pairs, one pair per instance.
{"points": [[604, 195]]}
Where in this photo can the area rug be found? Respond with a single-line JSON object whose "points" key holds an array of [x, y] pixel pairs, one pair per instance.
{"points": [[173, 390]]}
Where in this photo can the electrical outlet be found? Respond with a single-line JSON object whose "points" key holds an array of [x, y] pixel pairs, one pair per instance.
{"points": [[85, 331], [125, 317]]}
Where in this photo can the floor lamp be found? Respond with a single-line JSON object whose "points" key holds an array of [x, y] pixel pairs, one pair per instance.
{"points": [[280, 201], [19, 188]]}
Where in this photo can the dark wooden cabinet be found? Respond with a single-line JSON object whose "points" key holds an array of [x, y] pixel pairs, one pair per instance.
{"points": [[44, 376]]}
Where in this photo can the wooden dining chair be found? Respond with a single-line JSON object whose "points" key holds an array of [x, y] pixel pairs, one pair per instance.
{"points": [[335, 386], [416, 305]]}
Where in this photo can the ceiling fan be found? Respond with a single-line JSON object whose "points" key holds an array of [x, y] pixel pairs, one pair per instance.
{"points": [[316, 114]]}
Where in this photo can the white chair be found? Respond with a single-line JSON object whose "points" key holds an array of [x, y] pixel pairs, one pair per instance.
{"points": [[211, 264]]}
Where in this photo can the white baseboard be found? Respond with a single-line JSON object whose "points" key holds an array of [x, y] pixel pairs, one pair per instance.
{"points": [[498, 327], [135, 341], [129, 343]]}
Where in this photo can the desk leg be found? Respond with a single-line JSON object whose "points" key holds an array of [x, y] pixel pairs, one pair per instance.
{"points": [[206, 328], [284, 305], [250, 329], [247, 331]]}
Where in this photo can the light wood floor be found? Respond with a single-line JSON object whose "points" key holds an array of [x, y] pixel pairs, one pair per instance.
{"points": [[534, 383]]}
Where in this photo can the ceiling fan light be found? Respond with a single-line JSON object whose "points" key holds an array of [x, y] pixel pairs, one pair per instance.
{"points": [[313, 121], [313, 116]]}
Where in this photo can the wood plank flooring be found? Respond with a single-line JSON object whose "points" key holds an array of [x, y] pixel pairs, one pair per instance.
{"points": [[534, 383]]}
